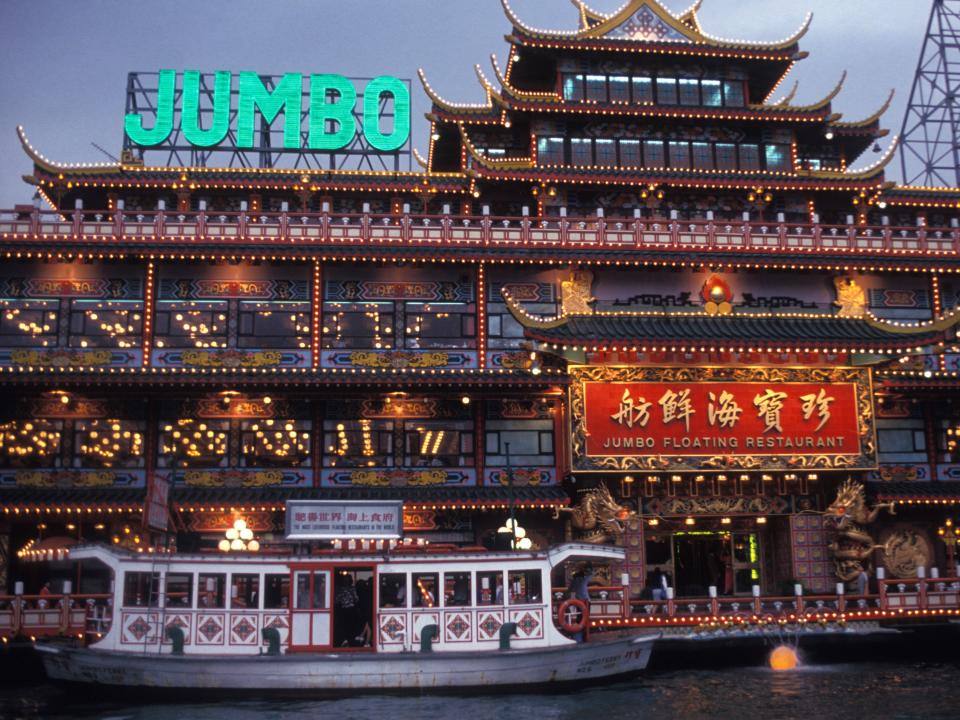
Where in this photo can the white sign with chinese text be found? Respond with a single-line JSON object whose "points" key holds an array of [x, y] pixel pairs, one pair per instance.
{"points": [[344, 519]]}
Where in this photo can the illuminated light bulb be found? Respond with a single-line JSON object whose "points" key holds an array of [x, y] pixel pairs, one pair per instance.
{"points": [[253, 546], [236, 544]]}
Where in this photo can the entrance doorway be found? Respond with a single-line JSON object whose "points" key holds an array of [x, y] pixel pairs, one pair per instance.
{"points": [[730, 561], [353, 619], [697, 561]]}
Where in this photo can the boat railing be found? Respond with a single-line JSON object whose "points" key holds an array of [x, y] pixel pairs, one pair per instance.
{"points": [[352, 230], [72, 615]]}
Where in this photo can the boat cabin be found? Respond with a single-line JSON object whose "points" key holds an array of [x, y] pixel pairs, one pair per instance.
{"points": [[393, 601]]}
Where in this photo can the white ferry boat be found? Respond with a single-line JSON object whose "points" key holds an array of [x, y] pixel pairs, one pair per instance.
{"points": [[391, 620]]}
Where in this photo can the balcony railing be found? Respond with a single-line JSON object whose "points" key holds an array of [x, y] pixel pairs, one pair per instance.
{"points": [[304, 231], [896, 599], [73, 615]]}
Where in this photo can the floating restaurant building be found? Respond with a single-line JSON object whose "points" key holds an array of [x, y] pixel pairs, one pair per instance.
{"points": [[640, 279]]}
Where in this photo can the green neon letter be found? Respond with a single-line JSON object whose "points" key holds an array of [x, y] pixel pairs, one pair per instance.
{"points": [[133, 122], [190, 109], [285, 96], [401, 113], [340, 112]]}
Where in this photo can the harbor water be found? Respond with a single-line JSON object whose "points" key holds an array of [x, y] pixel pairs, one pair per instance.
{"points": [[856, 691]]}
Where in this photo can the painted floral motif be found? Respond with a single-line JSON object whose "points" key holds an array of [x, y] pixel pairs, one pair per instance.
{"points": [[392, 628], [528, 624], [139, 628], [210, 629], [458, 626], [244, 629], [490, 625]]}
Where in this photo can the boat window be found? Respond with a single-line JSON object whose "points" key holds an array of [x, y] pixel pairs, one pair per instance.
{"points": [[524, 586], [456, 589], [244, 591], [141, 589], [179, 589], [425, 590], [276, 591], [311, 590], [490, 588], [210, 590], [393, 590]]}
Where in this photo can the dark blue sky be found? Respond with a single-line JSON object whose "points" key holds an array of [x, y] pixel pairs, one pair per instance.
{"points": [[64, 62]]}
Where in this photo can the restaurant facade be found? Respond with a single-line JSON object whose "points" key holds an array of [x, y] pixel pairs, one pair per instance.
{"points": [[637, 296]]}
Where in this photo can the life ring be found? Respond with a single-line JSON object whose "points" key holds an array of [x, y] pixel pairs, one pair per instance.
{"points": [[565, 614]]}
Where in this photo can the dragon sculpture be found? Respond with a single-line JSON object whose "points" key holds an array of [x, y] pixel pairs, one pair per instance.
{"points": [[598, 517], [854, 545]]}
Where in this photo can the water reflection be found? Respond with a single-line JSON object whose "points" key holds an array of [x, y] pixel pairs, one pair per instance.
{"points": [[927, 691]]}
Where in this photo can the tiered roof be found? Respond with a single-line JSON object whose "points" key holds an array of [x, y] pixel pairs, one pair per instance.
{"points": [[646, 26]]}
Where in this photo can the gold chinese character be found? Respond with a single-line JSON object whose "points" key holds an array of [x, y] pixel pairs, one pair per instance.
{"points": [[769, 406], [631, 412], [677, 406], [819, 402], [725, 411]]}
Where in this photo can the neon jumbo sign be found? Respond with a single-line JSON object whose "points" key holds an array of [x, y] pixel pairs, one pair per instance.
{"points": [[332, 122]]}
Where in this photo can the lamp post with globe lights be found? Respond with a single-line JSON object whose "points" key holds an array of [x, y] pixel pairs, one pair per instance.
{"points": [[239, 538]]}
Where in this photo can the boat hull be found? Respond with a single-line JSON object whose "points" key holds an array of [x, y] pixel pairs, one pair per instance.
{"points": [[346, 673]]}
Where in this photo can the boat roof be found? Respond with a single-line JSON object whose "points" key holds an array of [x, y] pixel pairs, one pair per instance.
{"points": [[420, 554]]}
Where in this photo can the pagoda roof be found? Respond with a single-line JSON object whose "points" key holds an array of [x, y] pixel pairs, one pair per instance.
{"points": [[922, 196], [680, 330], [524, 169], [125, 174], [639, 22], [185, 496], [913, 491]]}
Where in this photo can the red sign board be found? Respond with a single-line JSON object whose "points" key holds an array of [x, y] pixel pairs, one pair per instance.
{"points": [[703, 419], [155, 513], [720, 418]]}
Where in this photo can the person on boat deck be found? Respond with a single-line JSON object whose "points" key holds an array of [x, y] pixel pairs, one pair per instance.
{"points": [[579, 589], [365, 612], [658, 584], [461, 592], [346, 614]]}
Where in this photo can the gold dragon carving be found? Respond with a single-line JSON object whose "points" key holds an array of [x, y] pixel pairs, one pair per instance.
{"points": [[575, 297], [851, 298], [854, 545], [598, 517]]}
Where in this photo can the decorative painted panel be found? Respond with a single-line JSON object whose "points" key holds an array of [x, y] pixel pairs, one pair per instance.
{"points": [[139, 628], [52, 478], [399, 359], [244, 629], [489, 623], [812, 560], [458, 627], [529, 622], [399, 477], [392, 629], [210, 628]]}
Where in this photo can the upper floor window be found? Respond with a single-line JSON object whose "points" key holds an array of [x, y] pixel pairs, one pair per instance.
{"points": [[274, 324], [191, 324], [33, 323], [30, 443], [645, 89], [106, 323]]}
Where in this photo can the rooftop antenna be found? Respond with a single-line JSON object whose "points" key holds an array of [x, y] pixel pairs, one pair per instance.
{"points": [[930, 137], [112, 157]]}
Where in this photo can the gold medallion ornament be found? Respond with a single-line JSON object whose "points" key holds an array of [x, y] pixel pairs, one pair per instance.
{"points": [[905, 551]]}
